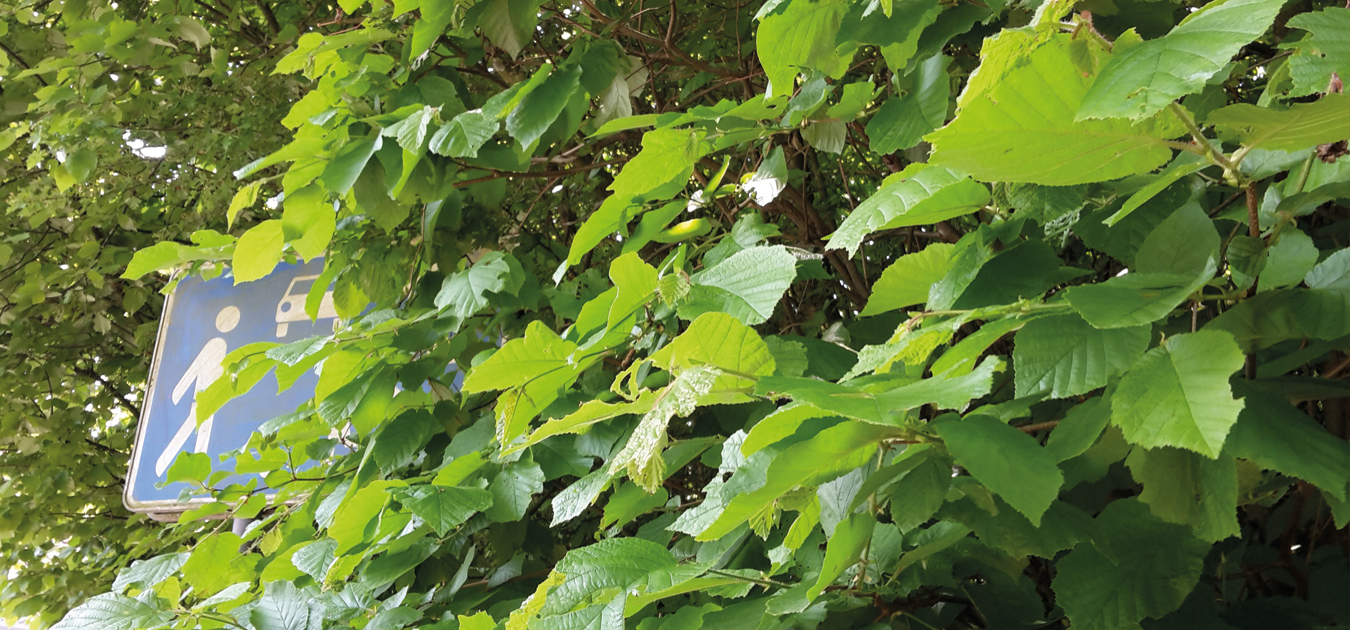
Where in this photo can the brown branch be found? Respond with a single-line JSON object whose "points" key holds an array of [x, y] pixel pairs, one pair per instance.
{"points": [[543, 174]]}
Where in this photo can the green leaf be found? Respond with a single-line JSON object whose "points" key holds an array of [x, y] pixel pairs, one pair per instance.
{"points": [[1185, 164], [400, 439], [1062, 527], [258, 251], [747, 232], [195, 467], [1007, 461], [538, 352], [918, 195], [528, 121], [1066, 356], [217, 563], [512, 490], [844, 549], [908, 279], [282, 607], [747, 285], [1105, 592], [411, 131], [111, 611], [246, 196], [163, 255], [1332, 273], [1301, 126], [1278, 436], [510, 23], [641, 455], [1080, 428], [444, 508], [1182, 244], [916, 496], [315, 558], [464, 135], [830, 453], [830, 136], [629, 502], [1024, 129], [615, 563], [359, 513], [463, 294], [1147, 77], [1292, 258], [1188, 489], [308, 221], [719, 340], [657, 172], [1284, 314], [1135, 299], [803, 36], [344, 168], [902, 122], [1178, 394], [1326, 50], [145, 574], [574, 499], [636, 282]]}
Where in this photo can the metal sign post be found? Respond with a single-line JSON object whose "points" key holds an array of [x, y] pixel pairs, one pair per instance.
{"points": [[203, 321]]}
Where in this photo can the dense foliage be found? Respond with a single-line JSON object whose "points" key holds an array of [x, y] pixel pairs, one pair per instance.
{"points": [[882, 313]]}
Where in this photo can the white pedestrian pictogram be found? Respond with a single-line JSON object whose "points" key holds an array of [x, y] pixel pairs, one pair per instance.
{"points": [[200, 374]]}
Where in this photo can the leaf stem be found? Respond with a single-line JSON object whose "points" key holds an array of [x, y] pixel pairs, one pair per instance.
{"points": [[762, 582], [1207, 149]]}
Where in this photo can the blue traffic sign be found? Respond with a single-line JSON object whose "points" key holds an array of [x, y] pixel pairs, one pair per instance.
{"points": [[203, 321]]}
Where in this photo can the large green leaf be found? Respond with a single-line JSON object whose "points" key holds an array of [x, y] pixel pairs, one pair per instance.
{"points": [[1135, 299], [1066, 356], [636, 284], [1007, 461], [1178, 394], [909, 278], [1278, 436], [347, 165], [616, 563], [258, 251], [110, 611], [846, 547], [802, 36], [902, 122], [1023, 130], [538, 352], [1189, 489], [830, 453], [464, 135], [1151, 568], [918, 195], [1325, 51], [1301, 126], [657, 172], [1062, 527], [512, 489], [1182, 244], [510, 24], [529, 120], [1146, 77], [283, 607], [747, 285], [719, 340], [444, 508], [641, 455], [463, 293], [1284, 314]]}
